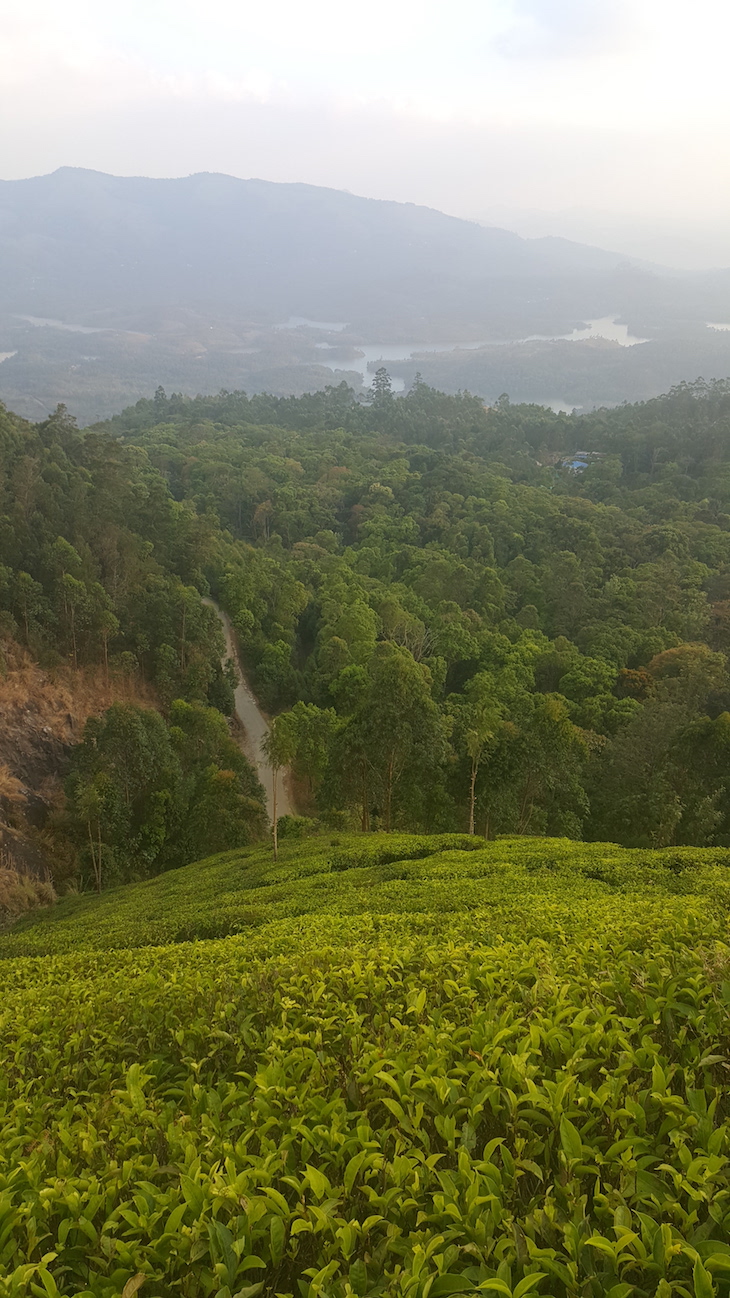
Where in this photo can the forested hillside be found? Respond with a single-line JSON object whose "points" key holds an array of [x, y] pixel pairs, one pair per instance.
{"points": [[457, 624], [127, 251], [499, 620], [100, 579]]}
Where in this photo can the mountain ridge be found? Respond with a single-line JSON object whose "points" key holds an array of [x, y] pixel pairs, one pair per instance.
{"points": [[189, 281], [270, 246]]}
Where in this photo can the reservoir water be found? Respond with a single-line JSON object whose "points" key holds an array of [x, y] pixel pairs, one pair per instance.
{"points": [[39, 320], [605, 326], [372, 355]]}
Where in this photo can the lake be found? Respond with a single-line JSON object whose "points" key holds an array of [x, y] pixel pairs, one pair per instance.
{"points": [[375, 354], [39, 320], [605, 326]]}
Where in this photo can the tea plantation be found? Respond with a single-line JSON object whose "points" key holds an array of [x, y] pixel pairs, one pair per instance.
{"points": [[388, 1065]]}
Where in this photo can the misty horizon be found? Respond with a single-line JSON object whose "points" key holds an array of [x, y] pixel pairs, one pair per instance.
{"points": [[595, 120], [669, 244]]}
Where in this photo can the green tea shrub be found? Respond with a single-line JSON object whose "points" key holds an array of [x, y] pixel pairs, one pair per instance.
{"points": [[426, 1075], [296, 826], [368, 1112], [241, 890]]}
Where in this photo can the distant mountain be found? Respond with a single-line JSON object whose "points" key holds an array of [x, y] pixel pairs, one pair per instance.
{"points": [[102, 249], [185, 283]]}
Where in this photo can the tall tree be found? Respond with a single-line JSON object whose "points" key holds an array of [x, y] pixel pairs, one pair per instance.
{"points": [[280, 746], [478, 715]]}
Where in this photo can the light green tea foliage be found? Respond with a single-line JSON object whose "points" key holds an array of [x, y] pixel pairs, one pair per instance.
{"points": [[517, 1085], [546, 884]]}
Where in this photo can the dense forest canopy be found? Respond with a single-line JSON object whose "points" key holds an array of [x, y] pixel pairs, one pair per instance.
{"points": [[497, 619], [99, 565], [448, 610]]}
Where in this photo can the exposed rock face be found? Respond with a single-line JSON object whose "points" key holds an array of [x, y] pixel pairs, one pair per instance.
{"points": [[42, 716], [21, 854], [37, 729]]}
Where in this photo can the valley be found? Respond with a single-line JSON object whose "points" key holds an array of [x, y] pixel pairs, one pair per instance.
{"points": [[365, 650], [460, 1026], [208, 282]]}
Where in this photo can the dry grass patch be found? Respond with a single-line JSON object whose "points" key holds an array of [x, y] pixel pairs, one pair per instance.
{"points": [[11, 788], [20, 893]]}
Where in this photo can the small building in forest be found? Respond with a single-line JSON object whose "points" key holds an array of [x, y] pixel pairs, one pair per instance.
{"points": [[577, 461]]}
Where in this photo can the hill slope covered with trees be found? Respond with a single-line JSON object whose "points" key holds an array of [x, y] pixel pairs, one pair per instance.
{"points": [[113, 284], [100, 580], [120, 250], [455, 630], [459, 624]]}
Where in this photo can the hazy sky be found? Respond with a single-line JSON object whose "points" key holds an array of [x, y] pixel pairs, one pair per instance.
{"points": [[593, 110]]}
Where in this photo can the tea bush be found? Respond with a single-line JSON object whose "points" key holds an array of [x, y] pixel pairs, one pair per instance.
{"points": [[503, 1071], [541, 883]]}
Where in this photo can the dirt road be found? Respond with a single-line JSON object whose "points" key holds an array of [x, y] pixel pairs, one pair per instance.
{"points": [[255, 725]]}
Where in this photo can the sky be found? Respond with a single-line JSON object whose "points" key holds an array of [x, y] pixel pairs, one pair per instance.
{"points": [[605, 120]]}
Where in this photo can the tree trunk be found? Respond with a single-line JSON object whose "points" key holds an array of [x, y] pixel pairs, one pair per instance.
{"points": [[365, 821], [472, 792], [96, 865], [525, 812], [275, 778], [389, 793]]}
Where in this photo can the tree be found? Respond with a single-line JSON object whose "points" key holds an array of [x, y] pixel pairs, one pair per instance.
{"points": [[478, 715], [537, 772], [144, 796], [29, 603], [313, 730], [124, 781], [89, 806], [398, 728], [382, 387], [280, 746], [221, 794], [635, 796], [73, 595], [107, 626]]}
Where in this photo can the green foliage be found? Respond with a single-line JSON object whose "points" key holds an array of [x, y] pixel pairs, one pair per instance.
{"points": [[99, 564], [463, 632], [446, 1068], [144, 795], [454, 533]]}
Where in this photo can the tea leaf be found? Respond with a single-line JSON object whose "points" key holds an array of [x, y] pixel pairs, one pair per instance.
{"points": [[134, 1285]]}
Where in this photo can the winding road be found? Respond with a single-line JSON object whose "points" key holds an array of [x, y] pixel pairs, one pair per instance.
{"points": [[255, 727]]}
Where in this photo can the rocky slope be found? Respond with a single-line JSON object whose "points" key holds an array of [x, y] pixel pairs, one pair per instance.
{"points": [[42, 715]]}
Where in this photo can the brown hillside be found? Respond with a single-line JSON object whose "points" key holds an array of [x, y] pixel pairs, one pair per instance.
{"points": [[42, 715]]}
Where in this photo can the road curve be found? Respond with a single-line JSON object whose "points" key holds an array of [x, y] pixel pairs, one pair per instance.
{"points": [[255, 726]]}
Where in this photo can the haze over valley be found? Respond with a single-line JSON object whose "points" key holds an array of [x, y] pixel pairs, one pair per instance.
{"points": [[114, 285]]}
